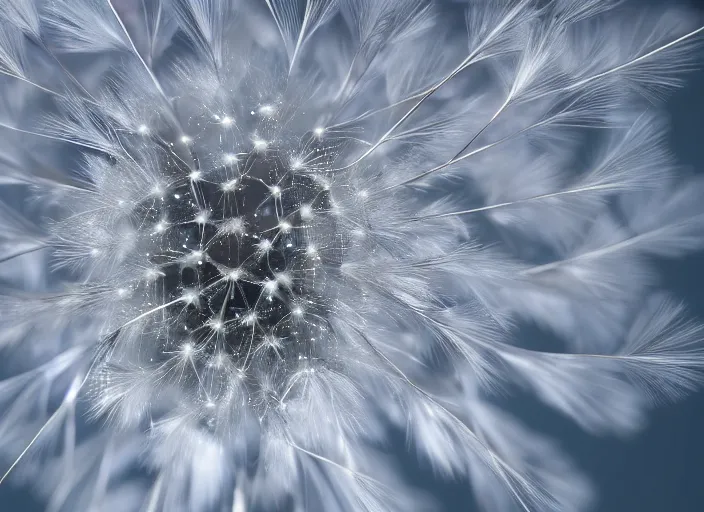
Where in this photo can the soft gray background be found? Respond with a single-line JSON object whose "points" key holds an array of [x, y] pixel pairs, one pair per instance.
{"points": [[656, 471]]}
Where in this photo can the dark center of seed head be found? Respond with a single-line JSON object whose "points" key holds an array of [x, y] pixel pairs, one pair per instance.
{"points": [[236, 243]]}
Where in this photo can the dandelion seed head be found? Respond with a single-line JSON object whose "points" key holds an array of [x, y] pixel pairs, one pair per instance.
{"points": [[282, 229]]}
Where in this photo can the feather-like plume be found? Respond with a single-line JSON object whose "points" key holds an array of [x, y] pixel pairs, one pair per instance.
{"points": [[243, 242]]}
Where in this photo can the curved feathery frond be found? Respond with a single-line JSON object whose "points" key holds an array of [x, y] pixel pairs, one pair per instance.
{"points": [[297, 23], [22, 14], [206, 22], [82, 27]]}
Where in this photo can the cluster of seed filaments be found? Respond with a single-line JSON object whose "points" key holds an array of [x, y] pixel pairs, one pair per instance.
{"points": [[235, 258]]}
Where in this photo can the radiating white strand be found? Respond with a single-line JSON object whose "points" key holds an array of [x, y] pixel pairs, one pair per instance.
{"points": [[135, 51], [510, 18], [295, 27], [206, 22], [65, 408], [22, 14], [80, 26]]}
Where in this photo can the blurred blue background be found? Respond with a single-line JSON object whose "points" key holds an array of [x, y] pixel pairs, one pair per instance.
{"points": [[655, 471]]}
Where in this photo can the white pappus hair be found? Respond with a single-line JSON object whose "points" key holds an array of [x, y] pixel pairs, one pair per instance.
{"points": [[243, 243]]}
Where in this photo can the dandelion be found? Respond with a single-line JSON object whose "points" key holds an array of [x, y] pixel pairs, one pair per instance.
{"points": [[245, 242]]}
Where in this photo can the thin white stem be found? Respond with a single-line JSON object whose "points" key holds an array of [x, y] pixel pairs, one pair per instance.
{"points": [[456, 159], [471, 153], [70, 76], [408, 114], [150, 312], [34, 439], [470, 59], [370, 113], [348, 76], [500, 466], [459, 157], [22, 252], [157, 24], [620, 67], [53, 137], [41, 88], [414, 96], [148, 69], [636, 60], [68, 402], [590, 188], [299, 40], [493, 118], [276, 20], [335, 464], [594, 254], [136, 52]]}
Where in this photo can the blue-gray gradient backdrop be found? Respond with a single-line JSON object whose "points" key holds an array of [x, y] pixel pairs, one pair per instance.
{"points": [[655, 471]]}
